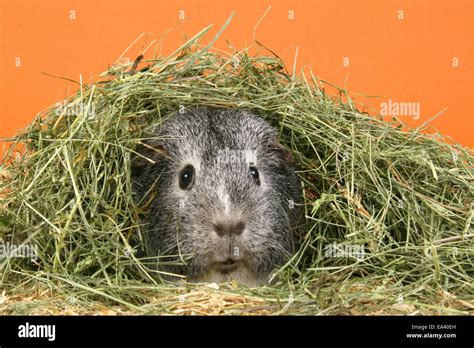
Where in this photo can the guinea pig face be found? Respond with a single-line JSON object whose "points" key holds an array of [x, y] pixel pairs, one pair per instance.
{"points": [[224, 195], [230, 216]]}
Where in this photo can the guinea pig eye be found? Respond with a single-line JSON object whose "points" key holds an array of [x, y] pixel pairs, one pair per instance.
{"points": [[186, 177], [255, 175]]}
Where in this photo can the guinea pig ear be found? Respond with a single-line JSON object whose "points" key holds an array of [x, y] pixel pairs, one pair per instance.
{"points": [[281, 154], [148, 153]]}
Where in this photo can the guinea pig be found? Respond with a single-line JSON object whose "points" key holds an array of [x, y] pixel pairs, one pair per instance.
{"points": [[222, 196]]}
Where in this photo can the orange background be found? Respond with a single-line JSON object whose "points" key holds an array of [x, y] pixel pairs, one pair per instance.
{"points": [[405, 60]]}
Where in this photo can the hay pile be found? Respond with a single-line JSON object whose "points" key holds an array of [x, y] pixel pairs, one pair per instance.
{"points": [[389, 210]]}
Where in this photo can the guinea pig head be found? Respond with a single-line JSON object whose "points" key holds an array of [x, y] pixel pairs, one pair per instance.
{"points": [[225, 195]]}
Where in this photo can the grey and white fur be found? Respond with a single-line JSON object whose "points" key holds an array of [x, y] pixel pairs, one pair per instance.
{"points": [[222, 195]]}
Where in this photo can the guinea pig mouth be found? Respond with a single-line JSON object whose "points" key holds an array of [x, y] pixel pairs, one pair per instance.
{"points": [[226, 266]]}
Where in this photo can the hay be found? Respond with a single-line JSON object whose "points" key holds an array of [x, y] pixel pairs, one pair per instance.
{"points": [[393, 205]]}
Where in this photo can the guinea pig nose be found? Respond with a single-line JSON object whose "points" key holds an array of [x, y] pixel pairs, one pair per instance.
{"points": [[229, 228]]}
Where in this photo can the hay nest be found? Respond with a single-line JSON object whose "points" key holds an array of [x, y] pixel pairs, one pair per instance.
{"points": [[389, 209]]}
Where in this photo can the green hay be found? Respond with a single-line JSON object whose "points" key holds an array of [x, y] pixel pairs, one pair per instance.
{"points": [[404, 195]]}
